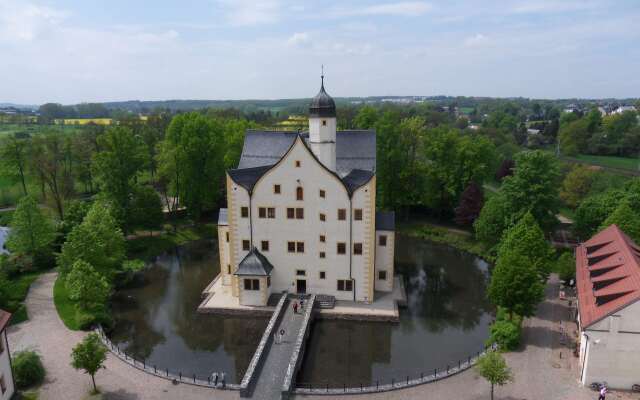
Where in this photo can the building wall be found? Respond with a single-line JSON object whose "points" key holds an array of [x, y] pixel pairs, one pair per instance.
{"points": [[254, 297], [322, 140], [612, 350], [384, 260], [226, 271], [5, 368], [312, 177]]}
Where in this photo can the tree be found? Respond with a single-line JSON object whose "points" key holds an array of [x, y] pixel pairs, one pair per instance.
{"points": [[27, 369], [366, 118], [515, 284], [116, 167], [526, 239], [13, 159], [75, 211], [495, 217], [534, 186], [51, 161], [626, 219], [89, 355], [97, 240], [576, 185], [146, 208], [494, 369], [31, 231], [594, 210], [566, 267], [192, 156], [470, 205], [574, 136], [506, 169], [87, 287]]}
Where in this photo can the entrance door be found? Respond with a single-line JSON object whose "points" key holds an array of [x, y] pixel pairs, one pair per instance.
{"points": [[301, 286]]}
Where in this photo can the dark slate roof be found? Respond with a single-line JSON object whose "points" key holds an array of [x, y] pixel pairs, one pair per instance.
{"points": [[385, 221], [254, 264], [322, 105], [247, 177], [222, 217], [356, 178], [355, 149]]}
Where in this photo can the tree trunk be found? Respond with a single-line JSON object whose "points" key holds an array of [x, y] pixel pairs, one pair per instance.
{"points": [[95, 390], [492, 391]]}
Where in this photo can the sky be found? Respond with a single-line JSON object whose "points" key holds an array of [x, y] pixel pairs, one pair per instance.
{"points": [[72, 51]]}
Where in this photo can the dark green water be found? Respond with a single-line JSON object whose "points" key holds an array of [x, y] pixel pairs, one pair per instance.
{"points": [[447, 319]]}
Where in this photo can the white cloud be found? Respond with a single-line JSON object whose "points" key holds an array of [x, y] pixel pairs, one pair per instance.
{"points": [[21, 21], [552, 6], [252, 12], [403, 9], [476, 40], [299, 39]]}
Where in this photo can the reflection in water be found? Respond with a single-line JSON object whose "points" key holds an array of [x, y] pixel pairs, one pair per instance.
{"points": [[446, 320], [156, 318]]}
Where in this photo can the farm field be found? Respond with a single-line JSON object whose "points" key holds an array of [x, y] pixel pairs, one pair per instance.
{"points": [[34, 129]]}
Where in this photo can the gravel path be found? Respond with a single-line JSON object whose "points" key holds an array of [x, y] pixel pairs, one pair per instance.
{"points": [[46, 333]]}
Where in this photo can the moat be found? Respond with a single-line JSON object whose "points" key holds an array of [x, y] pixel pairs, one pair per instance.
{"points": [[446, 320]]}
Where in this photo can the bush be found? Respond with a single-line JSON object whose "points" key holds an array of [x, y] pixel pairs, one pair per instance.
{"points": [[566, 267], [506, 334], [27, 369]]}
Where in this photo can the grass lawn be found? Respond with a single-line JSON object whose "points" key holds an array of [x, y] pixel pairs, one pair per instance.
{"points": [[66, 308], [610, 161], [18, 289]]}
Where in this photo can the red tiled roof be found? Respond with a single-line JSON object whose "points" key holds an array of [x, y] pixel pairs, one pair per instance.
{"points": [[4, 319], [607, 275]]}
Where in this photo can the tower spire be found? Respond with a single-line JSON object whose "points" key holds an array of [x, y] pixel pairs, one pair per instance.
{"points": [[322, 75]]}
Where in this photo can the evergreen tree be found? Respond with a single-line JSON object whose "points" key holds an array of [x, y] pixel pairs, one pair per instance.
{"points": [[470, 205]]}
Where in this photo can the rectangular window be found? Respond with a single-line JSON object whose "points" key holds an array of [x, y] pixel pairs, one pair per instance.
{"points": [[229, 269], [299, 193], [324, 122], [264, 245], [297, 163], [271, 212], [323, 217], [252, 284], [323, 275], [357, 249], [323, 254], [322, 193], [300, 247], [268, 281], [342, 214], [227, 236], [382, 275], [357, 214], [299, 213], [322, 239], [291, 247], [244, 212], [291, 213], [276, 189], [382, 240], [345, 285], [301, 272], [246, 246], [262, 212], [342, 248]]}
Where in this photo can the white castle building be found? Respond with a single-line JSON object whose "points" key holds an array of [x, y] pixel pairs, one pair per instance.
{"points": [[302, 216]]}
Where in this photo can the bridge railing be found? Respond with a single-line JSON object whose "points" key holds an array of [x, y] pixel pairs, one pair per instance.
{"points": [[401, 382]]}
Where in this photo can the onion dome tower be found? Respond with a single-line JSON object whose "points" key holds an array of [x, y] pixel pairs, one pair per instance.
{"points": [[322, 127]]}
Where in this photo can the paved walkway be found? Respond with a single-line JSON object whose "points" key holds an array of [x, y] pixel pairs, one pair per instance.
{"points": [[269, 384], [46, 333]]}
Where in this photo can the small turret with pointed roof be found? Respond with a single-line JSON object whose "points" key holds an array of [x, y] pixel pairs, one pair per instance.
{"points": [[322, 105]]}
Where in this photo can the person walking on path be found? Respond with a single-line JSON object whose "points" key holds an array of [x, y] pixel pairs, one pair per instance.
{"points": [[603, 393], [295, 307]]}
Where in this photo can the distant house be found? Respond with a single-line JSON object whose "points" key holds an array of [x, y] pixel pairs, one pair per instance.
{"points": [[572, 108], [608, 283], [622, 109], [7, 386], [533, 131], [603, 111]]}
